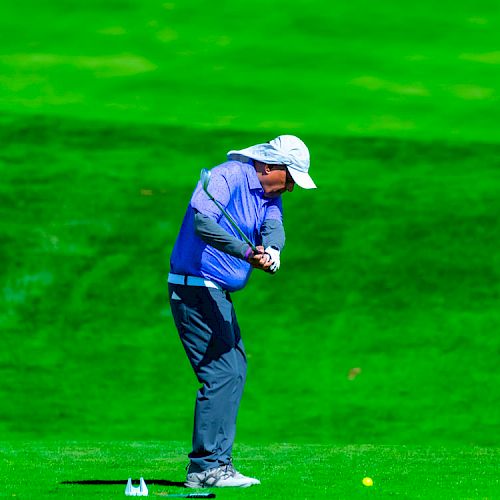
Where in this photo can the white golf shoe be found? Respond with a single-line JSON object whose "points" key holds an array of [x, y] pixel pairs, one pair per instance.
{"points": [[219, 477], [235, 473]]}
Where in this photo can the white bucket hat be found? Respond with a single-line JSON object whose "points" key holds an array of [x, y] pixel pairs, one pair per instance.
{"points": [[284, 150]]}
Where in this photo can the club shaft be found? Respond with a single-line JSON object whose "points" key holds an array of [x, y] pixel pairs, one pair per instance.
{"points": [[191, 495], [232, 222]]}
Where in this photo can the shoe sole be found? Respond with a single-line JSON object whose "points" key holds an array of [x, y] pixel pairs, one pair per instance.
{"points": [[188, 484]]}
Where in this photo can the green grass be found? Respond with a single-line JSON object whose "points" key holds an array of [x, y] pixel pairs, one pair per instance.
{"points": [[100, 470], [108, 111], [427, 70], [389, 266]]}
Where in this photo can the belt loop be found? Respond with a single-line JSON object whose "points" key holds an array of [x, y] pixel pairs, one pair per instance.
{"points": [[185, 280]]}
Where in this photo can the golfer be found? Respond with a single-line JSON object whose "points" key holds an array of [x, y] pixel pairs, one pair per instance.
{"points": [[208, 262]]}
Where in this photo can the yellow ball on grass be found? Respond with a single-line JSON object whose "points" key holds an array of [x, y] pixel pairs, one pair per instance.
{"points": [[368, 481]]}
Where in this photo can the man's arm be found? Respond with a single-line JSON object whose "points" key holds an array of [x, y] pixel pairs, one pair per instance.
{"points": [[273, 241], [210, 232], [273, 234]]}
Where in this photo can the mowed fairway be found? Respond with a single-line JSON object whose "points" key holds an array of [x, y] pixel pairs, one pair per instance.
{"points": [[100, 470], [373, 352], [399, 351]]}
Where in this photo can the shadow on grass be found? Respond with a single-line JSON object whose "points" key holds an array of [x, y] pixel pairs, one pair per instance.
{"points": [[160, 482]]}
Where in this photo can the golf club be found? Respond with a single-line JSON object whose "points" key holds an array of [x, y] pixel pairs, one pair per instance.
{"points": [[205, 179], [188, 495]]}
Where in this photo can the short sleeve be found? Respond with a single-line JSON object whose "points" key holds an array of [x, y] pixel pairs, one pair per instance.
{"points": [[274, 210]]}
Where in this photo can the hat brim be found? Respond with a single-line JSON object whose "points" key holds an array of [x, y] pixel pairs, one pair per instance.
{"points": [[302, 179], [255, 154]]}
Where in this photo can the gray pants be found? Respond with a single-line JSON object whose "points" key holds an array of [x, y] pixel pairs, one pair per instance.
{"points": [[210, 334]]}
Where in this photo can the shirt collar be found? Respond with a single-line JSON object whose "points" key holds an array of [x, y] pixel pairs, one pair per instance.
{"points": [[252, 178]]}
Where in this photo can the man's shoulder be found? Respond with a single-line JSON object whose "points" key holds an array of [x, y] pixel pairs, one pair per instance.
{"points": [[235, 172], [230, 167]]}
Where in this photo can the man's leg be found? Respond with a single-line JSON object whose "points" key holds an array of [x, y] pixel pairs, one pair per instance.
{"points": [[226, 444], [210, 334], [216, 410]]}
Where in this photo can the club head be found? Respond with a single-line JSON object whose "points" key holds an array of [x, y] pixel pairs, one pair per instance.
{"points": [[205, 178]]}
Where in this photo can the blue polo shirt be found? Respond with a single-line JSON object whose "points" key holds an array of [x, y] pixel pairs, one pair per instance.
{"points": [[236, 186]]}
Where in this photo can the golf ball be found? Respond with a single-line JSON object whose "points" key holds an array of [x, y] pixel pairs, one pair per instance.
{"points": [[368, 481]]}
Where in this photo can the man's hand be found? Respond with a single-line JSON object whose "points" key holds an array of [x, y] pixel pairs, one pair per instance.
{"points": [[260, 260], [274, 255]]}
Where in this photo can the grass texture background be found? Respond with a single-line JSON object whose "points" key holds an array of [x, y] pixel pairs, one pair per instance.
{"points": [[381, 328], [96, 469]]}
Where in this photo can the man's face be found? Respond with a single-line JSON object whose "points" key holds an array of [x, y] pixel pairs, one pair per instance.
{"points": [[275, 180]]}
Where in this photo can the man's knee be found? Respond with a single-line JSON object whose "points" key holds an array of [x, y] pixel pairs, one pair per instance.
{"points": [[224, 379]]}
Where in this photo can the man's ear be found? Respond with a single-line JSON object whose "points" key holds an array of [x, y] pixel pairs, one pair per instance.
{"points": [[262, 167]]}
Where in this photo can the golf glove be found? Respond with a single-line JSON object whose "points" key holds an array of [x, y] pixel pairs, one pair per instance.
{"points": [[274, 253]]}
